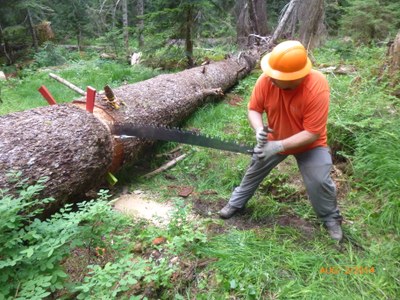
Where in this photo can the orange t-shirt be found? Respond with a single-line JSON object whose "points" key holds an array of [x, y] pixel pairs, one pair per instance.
{"points": [[291, 111]]}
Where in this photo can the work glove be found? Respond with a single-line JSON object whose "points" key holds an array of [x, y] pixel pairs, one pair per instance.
{"points": [[268, 149], [261, 135]]}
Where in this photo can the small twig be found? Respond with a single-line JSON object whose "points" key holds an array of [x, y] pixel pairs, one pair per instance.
{"points": [[213, 92], [17, 290], [165, 166], [68, 84], [71, 85], [176, 149], [265, 39]]}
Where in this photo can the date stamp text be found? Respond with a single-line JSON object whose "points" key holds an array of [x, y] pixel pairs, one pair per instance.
{"points": [[347, 270]]}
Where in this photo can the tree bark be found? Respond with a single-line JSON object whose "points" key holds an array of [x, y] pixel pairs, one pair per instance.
{"points": [[76, 149], [62, 142], [241, 26], [283, 21], [302, 20], [251, 21], [311, 29]]}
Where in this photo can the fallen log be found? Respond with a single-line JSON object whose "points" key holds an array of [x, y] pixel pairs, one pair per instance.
{"points": [[75, 149]]}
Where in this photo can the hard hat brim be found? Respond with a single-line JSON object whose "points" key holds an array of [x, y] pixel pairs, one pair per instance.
{"points": [[266, 68]]}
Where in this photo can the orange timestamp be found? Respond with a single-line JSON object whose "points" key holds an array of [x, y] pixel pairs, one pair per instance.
{"points": [[355, 270]]}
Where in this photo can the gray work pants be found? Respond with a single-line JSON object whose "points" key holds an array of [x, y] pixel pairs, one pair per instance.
{"points": [[315, 166]]}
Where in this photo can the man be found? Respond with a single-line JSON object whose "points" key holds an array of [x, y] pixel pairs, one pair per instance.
{"points": [[295, 99]]}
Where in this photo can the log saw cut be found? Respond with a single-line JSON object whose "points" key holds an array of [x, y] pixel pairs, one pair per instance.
{"points": [[75, 149]]}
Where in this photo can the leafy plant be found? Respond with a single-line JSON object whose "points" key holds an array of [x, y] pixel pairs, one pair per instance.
{"points": [[50, 55], [129, 273], [30, 249], [183, 234]]}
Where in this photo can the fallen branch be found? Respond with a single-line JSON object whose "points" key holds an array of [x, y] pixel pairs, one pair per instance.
{"points": [[341, 70], [264, 39], [169, 153], [68, 84], [165, 166], [213, 92]]}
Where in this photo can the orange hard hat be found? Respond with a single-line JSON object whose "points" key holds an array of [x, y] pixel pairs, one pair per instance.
{"points": [[287, 61]]}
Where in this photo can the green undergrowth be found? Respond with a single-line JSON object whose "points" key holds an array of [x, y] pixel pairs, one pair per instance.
{"points": [[88, 252]]}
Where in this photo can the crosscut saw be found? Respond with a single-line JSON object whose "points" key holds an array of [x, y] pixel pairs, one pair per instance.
{"points": [[179, 136]]}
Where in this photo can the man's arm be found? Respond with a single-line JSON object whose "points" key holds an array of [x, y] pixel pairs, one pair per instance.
{"points": [[299, 139], [255, 119], [295, 141]]}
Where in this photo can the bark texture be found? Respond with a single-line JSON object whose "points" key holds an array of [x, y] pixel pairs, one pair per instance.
{"points": [[71, 147], [251, 21], [302, 20], [311, 17], [76, 149]]}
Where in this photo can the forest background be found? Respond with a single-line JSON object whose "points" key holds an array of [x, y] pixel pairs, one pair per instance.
{"points": [[278, 250]]}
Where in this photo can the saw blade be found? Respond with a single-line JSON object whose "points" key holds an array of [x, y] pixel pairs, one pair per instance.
{"points": [[179, 136]]}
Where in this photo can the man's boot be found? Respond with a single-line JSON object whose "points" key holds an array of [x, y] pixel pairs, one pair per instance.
{"points": [[334, 229], [228, 211]]}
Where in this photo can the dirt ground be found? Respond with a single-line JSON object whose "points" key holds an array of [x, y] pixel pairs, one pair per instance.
{"points": [[207, 203]]}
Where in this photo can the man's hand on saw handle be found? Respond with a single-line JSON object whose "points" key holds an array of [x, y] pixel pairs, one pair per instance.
{"points": [[265, 148], [261, 135]]}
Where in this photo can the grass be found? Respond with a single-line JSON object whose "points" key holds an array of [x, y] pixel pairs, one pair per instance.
{"points": [[277, 249], [22, 94], [271, 264]]}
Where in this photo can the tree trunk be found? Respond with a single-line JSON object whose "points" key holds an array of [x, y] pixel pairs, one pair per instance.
{"points": [[125, 26], [258, 17], [302, 20], [284, 20], [311, 27], [79, 38], [253, 17], [241, 20], [394, 64], [251, 21], [76, 149], [188, 36], [140, 22], [33, 31], [261, 13], [5, 47]]}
